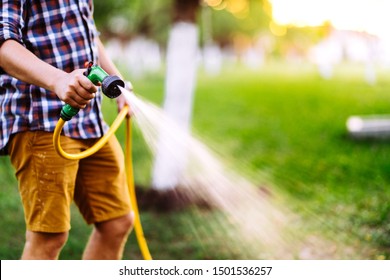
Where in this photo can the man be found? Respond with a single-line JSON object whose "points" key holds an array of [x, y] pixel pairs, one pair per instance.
{"points": [[43, 48]]}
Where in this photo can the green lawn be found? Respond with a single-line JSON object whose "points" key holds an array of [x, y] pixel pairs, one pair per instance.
{"points": [[283, 121]]}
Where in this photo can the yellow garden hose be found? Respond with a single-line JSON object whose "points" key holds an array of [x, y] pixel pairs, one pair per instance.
{"points": [[130, 182], [128, 162]]}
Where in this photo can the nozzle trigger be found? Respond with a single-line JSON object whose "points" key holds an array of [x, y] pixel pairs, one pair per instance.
{"points": [[88, 65]]}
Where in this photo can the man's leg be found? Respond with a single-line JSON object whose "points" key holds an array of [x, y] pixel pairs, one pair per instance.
{"points": [[46, 185], [103, 199], [43, 246], [108, 239]]}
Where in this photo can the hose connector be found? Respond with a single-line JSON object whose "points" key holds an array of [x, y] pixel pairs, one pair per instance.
{"points": [[68, 112]]}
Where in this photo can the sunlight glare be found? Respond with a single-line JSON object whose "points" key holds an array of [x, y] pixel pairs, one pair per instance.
{"points": [[361, 15]]}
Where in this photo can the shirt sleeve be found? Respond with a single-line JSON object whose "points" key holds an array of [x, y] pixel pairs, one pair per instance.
{"points": [[11, 20]]}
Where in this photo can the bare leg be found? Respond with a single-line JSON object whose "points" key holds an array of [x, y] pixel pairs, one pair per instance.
{"points": [[108, 239], [43, 246]]}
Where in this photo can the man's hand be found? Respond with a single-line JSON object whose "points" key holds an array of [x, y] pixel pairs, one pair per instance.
{"points": [[122, 102], [75, 89]]}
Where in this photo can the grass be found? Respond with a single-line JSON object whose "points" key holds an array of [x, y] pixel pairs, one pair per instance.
{"points": [[284, 121]]}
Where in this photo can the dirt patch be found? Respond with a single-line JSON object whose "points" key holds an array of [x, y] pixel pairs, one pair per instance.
{"points": [[168, 200]]}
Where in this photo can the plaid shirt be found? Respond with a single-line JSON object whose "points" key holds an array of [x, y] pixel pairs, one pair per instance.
{"points": [[61, 33]]}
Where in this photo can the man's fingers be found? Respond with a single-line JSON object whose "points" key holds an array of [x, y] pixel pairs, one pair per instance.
{"points": [[84, 90], [76, 89], [74, 101], [84, 93], [86, 84]]}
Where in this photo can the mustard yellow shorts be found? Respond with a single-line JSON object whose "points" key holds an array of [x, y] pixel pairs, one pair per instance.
{"points": [[49, 183]]}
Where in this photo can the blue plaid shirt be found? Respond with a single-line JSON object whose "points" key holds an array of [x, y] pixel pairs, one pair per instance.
{"points": [[61, 33]]}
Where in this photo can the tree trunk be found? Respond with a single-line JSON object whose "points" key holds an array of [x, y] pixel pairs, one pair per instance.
{"points": [[182, 55]]}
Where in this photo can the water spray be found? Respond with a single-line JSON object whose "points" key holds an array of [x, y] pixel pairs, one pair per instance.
{"points": [[111, 87]]}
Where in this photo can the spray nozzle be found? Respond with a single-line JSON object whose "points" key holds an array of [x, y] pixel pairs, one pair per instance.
{"points": [[110, 87], [110, 84]]}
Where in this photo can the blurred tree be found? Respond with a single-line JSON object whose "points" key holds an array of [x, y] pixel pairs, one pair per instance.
{"points": [[182, 55], [290, 39], [152, 18], [126, 19], [232, 17]]}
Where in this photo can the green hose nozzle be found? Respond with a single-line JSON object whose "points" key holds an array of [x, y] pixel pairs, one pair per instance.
{"points": [[110, 87]]}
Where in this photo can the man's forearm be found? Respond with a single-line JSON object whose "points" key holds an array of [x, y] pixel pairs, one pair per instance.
{"points": [[73, 88], [20, 63]]}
